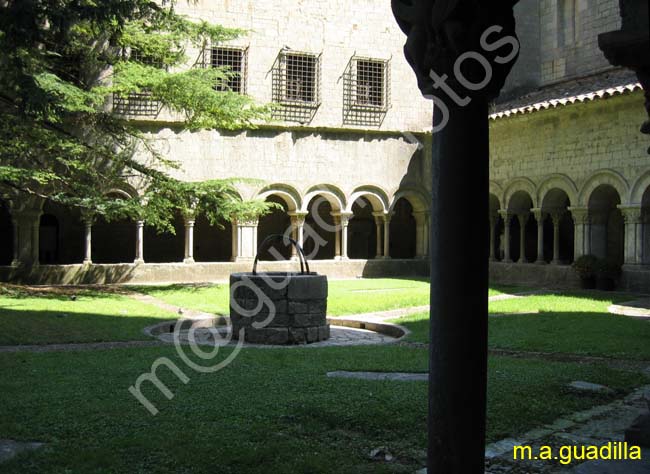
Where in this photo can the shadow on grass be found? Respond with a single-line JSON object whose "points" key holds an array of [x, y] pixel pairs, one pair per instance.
{"points": [[67, 325]]}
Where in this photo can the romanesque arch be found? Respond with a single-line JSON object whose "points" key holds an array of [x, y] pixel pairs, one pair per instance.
{"points": [[640, 188], [522, 225], [607, 228], [557, 182], [289, 195], [603, 177], [518, 185], [555, 200], [114, 241], [374, 195], [277, 221]]}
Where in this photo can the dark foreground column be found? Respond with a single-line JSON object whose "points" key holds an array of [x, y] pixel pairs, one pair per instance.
{"points": [[459, 288]]}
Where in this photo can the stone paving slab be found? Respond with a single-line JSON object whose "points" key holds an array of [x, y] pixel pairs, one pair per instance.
{"points": [[339, 336], [392, 376], [637, 309], [10, 449]]}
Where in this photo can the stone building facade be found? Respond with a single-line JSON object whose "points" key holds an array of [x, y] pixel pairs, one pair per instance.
{"points": [[569, 168], [347, 155]]}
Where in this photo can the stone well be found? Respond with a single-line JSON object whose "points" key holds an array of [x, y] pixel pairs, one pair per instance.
{"points": [[279, 308]]}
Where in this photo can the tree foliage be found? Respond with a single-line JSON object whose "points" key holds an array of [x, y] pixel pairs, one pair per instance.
{"points": [[61, 63]]}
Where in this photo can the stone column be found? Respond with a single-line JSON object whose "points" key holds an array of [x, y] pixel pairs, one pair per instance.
{"points": [[633, 234], [337, 236], [582, 232], [523, 219], [88, 241], [421, 234], [15, 260], [189, 239], [245, 234], [294, 236], [297, 231], [345, 221], [539, 217], [507, 218], [139, 243], [494, 219], [387, 218], [556, 218], [298, 224], [378, 223], [26, 236]]}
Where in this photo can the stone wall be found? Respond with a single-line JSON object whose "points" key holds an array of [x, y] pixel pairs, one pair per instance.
{"points": [[204, 272], [336, 28], [569, 36], [300, 161]]}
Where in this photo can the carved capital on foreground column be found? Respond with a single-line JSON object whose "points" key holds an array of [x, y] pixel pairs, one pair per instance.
{"points": [[442, 33]]}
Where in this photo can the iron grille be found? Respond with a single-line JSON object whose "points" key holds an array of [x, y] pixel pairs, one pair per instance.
{"points": [[296, 86], [235, 59], [366, 91], [138, 103]]}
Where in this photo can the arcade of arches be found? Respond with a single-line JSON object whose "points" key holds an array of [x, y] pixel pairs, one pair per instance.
{"points": [[49, 234], [556, 229], [552, 223]]}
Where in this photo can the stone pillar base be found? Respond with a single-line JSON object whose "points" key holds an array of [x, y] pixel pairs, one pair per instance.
{"points": [[188, 261], [138, 262]]}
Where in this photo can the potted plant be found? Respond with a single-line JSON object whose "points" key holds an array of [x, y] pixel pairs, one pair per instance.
{"points": [[585, 267], [607, 272]]}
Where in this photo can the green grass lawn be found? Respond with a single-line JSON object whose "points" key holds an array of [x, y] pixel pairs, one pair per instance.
{"points": [[345, 296], [41, 317], [567, 322], [271, 411], [30, 316], [274, 410]]}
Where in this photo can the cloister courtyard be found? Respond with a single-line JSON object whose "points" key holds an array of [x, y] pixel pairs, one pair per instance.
{"points": [[68, 356]]}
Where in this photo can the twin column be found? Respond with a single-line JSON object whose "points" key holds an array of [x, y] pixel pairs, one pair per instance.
{"points": [[523, 217]]}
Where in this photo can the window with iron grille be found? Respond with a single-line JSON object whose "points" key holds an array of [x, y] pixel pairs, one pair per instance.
{"points": [[296, 86], [366, 91], [235, 60], [138, 103]]}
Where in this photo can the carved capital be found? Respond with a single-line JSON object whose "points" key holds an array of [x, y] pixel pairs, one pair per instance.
{"points": [[442, 33], [539, 214], [506, 216], [580, 215], [632, 215], [298, 218]]}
